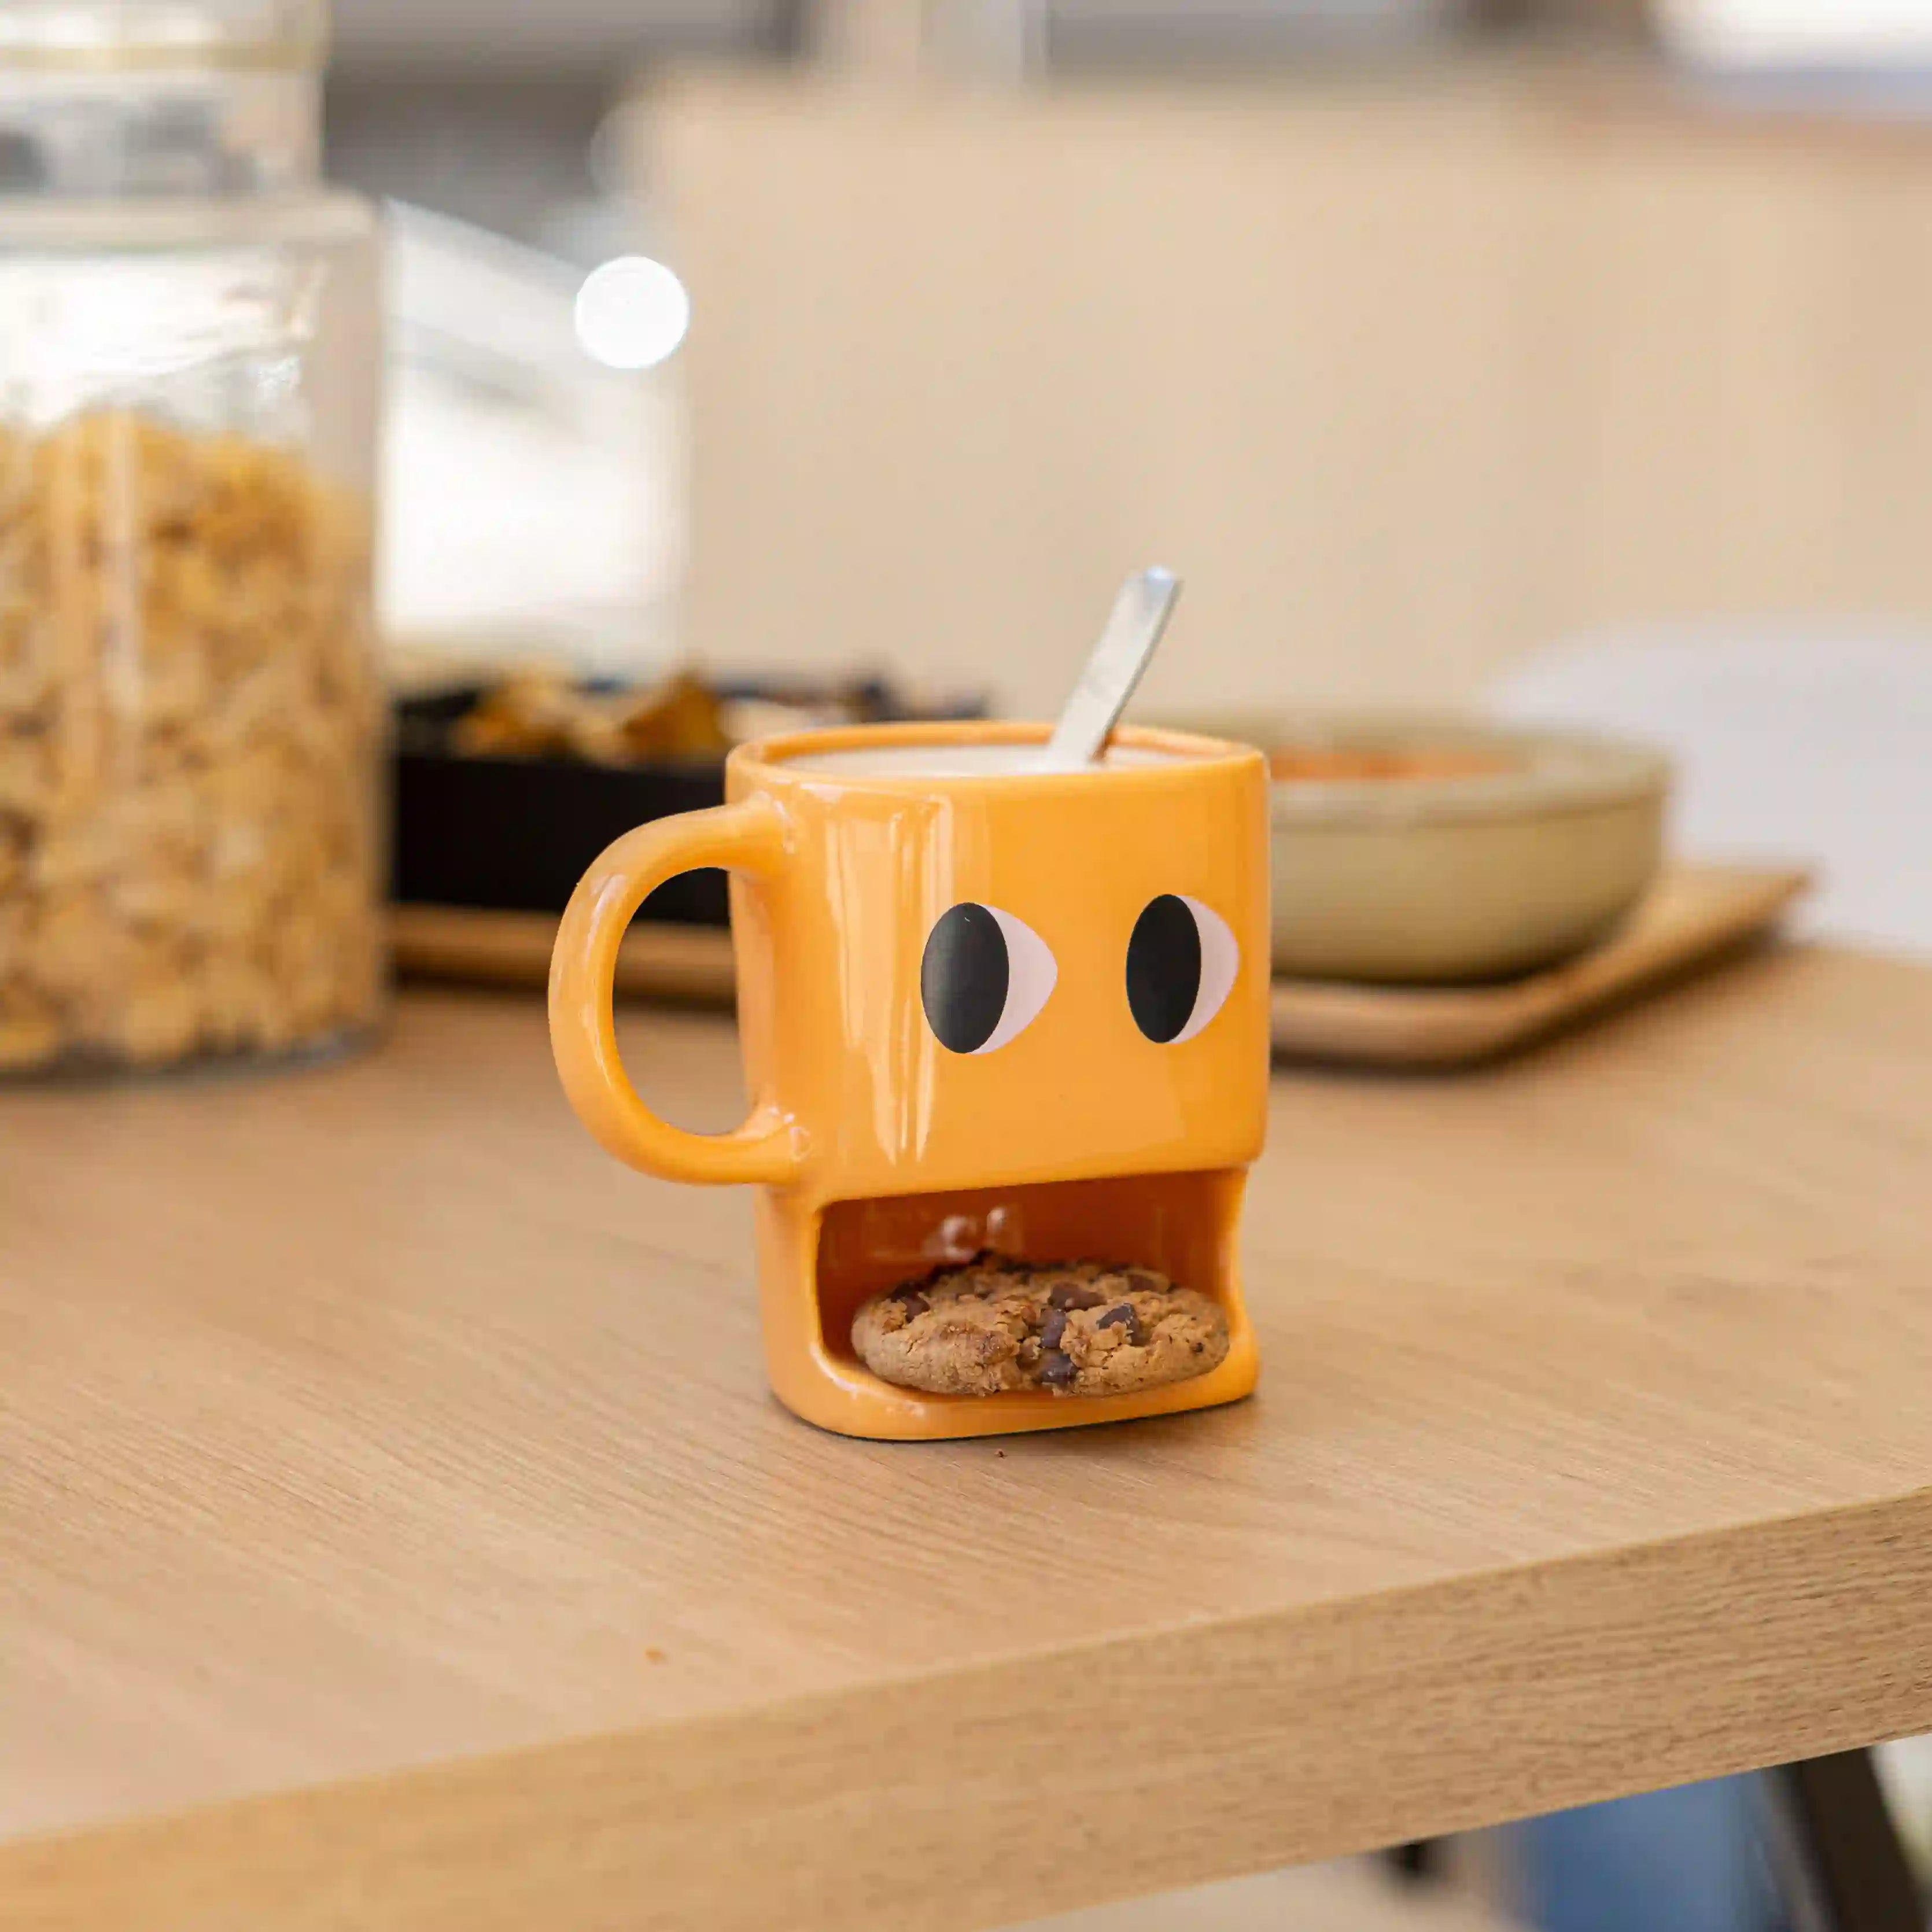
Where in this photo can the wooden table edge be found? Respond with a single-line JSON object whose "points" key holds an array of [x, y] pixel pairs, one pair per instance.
{"points": [[1049, 1779]]}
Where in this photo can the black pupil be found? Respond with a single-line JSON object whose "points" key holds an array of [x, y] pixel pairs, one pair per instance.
{"points": [[1163, 968], [962, 978]]}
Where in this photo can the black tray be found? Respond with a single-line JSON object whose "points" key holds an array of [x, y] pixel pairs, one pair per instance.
{"points": [[516, 834]]}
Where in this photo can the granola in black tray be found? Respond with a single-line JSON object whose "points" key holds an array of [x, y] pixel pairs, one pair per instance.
{"points": [[506, 790]]}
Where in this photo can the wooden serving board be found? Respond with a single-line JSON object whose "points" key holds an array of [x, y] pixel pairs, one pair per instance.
{"points": [[1694, 914], [690, 965]]}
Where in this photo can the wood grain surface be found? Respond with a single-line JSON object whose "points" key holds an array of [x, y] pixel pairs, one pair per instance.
{"points": [[1692, 917], [395, 1530]]}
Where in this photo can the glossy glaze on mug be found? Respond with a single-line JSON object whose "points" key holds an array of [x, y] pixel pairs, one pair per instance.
{"points": [[878, 1149]]}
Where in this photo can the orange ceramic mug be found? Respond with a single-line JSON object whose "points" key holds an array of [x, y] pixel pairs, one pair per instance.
{"points": [[1049, 1103]]}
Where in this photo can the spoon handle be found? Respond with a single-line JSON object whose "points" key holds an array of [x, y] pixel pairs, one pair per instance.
{"points": [[1139, 615]]}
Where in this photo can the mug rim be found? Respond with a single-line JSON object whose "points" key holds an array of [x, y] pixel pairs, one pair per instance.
{"points": [[773, 757]]}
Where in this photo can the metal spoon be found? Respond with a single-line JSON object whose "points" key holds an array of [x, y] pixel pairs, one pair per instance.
{"points": [[1126, 646]]}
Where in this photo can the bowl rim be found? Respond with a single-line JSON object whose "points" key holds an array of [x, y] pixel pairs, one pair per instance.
{"points": [[1553, 772]]}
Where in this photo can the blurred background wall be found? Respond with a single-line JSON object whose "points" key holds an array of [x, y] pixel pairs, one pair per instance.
{"points": [[1407, 378], [1416, 336]]}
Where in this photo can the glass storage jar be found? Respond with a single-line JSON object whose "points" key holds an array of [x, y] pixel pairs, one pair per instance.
{"points": [[191, 721]]}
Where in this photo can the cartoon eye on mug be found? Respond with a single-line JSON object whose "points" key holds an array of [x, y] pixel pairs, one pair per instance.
{"points": [[984, 977], [1181, 961]]}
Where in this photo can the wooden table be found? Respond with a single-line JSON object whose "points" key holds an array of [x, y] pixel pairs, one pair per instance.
{"points": [[395, 1532]]}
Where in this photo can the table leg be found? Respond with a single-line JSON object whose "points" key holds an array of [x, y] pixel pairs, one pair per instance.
{"points": [[1838, 1861], [1417, 1862]]}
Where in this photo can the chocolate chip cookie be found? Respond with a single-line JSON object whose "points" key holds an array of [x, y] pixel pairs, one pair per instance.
{"points": [[1074, 1327]]}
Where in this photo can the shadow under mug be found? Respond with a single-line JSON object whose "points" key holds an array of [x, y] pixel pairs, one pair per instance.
{"points": [[924, 1085]]}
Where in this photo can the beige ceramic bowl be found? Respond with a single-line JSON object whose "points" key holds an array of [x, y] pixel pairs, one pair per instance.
{"points": [[1425, 851]]}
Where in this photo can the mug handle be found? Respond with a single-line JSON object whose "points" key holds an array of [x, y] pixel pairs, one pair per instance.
{"points": [[749, 836]]}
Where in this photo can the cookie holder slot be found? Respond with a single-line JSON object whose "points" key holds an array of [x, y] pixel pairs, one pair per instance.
{"points": [[819, 1260]]}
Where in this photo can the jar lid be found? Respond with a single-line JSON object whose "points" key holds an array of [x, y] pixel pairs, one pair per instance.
{"points": [[151, 33]]}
